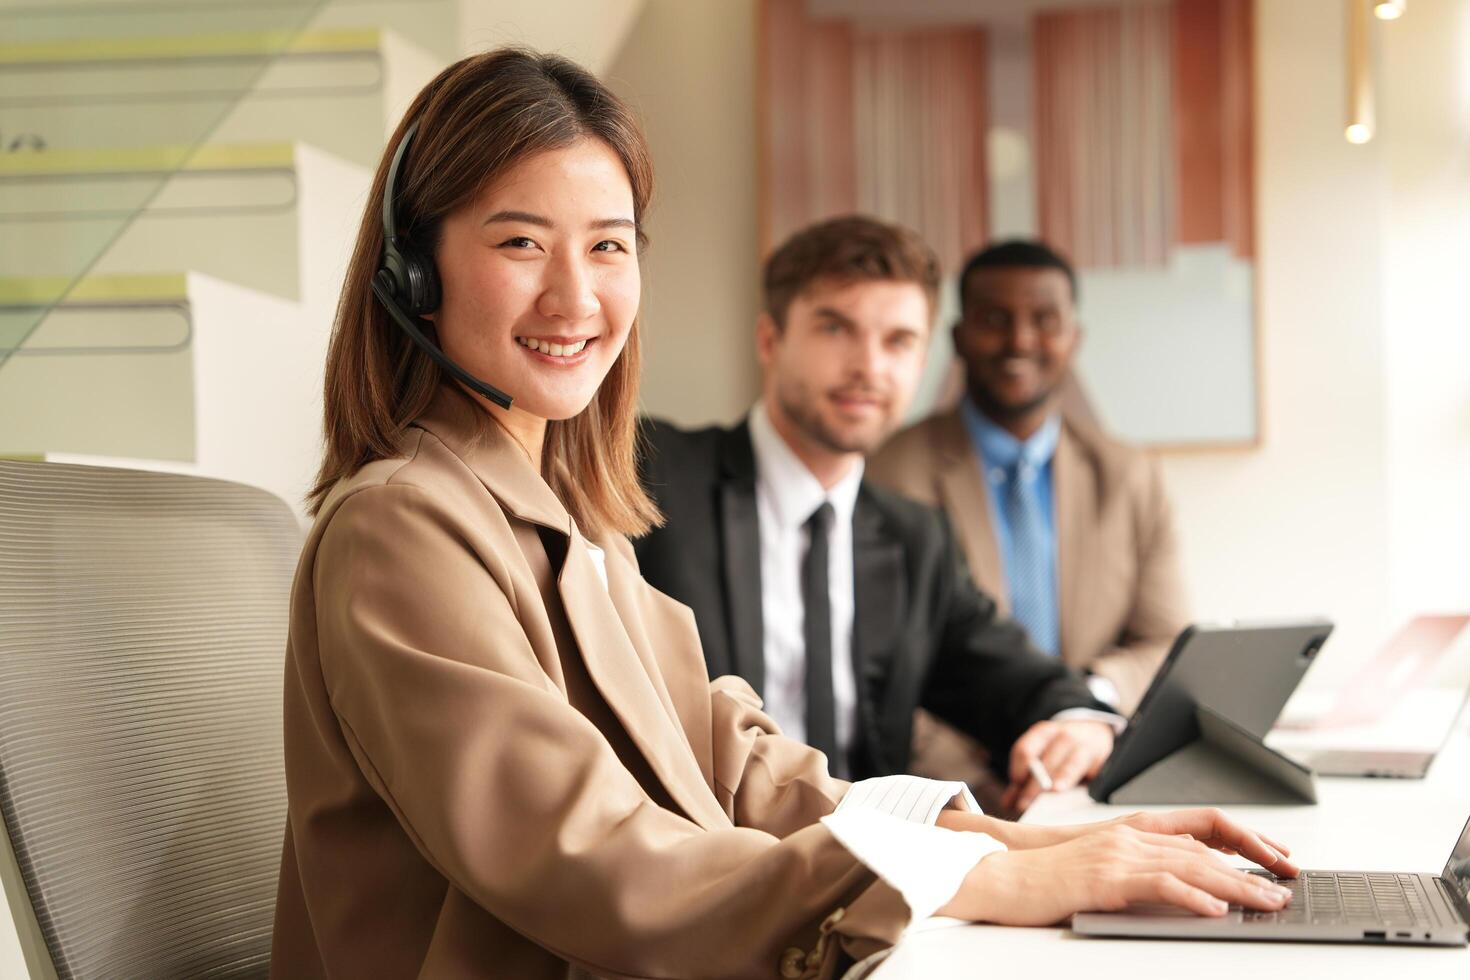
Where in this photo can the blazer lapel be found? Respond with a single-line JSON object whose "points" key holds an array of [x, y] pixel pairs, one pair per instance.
{"points": [[629, 680], [493, 455], [1075, 492], [966, 500], [740, 552], [666, 637], [880, 596], [627, 677]]}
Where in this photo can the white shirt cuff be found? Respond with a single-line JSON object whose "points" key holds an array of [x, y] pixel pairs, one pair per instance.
{"points": [[887, 823], [908, 797], [1104, 690], [1110, 718]]}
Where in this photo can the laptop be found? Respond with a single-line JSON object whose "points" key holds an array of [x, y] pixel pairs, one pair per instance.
{"points": [[1378, 763], [1406, 682], [1368, 907]]}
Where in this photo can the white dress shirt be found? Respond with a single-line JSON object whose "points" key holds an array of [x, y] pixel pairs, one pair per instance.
{"points": [[786, 496], [599, 561]]}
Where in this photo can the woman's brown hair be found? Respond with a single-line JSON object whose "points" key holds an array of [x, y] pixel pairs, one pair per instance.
{"points": [[479, 118]]}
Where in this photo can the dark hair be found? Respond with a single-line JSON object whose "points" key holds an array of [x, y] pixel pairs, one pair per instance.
{"points": [[477, 119], [1018, 253], [850, 249]]}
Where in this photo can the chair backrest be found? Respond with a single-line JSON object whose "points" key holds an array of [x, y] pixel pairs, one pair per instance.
{"points": [[142, 643]]}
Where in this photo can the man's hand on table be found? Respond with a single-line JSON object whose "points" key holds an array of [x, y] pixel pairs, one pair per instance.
{"points": [[1070, 751]]}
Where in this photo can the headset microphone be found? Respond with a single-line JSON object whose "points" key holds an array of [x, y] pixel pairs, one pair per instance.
{"points": [[407, 284], [426, 345]]}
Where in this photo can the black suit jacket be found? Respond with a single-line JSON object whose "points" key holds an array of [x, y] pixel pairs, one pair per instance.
{"points": [[922, 634]]}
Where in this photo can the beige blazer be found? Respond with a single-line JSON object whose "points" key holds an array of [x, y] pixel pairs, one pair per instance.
{"points": [[1121, 596], [499, 767]]}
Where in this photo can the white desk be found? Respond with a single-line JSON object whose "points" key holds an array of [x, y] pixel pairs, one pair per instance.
{"points": [[1358, 824]]}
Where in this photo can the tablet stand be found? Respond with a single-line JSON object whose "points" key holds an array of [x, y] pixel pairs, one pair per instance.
{"points": [[1225, 764]]}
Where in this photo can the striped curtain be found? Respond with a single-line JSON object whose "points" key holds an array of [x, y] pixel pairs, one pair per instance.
{"points": [[808, 150], [1104, 133], [920, 102], [885, 122], [1143, 129]]}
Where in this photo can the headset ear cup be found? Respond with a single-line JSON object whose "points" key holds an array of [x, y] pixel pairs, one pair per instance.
{"points": [[423, 280], [383, 279], [411, 279], [432, 292], [394, 276]]}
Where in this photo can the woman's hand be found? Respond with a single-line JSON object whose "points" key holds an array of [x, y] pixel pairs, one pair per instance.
{"points": [[1108, 866], [1211, 827], [1208, 825]]}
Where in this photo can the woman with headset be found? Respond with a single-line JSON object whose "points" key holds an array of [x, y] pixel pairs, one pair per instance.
{"points": [[503, 754]]}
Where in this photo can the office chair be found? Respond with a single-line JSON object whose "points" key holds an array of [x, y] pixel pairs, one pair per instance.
{"points": [[142, 642]]}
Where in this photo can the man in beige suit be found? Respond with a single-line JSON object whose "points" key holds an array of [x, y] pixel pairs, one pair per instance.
{"points": [[1069, 529]]}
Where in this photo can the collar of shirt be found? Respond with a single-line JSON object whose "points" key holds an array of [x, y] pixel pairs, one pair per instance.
{"points": [[791, 489], [998, 448]]}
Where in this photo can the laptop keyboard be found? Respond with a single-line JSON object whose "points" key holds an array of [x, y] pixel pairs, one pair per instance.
{"points": [[1328, 898]]}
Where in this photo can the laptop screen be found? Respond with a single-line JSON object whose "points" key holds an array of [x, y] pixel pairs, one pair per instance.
{"points": [[1457, 869]]}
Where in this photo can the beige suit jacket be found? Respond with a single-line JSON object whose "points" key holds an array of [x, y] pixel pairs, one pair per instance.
{"points": [[499, 767], [1121, 597]]}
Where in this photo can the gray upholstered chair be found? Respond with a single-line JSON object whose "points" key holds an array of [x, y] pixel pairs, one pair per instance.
{"points": [[142, 640]]}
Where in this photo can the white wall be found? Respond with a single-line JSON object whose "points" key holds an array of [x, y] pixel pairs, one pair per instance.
{"points": [[1300, 525], [1425, 126], [1187, 328], [1355, 505], [589, 33], [689, 69]]}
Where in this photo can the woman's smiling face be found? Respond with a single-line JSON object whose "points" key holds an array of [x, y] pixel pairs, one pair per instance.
{"points": [[540, 278]]}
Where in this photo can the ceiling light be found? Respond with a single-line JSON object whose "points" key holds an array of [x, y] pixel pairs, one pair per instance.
{"points": [[1359, 74]]}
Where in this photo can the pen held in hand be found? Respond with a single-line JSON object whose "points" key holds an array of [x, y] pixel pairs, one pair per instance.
{"points": [[1039, 773]]}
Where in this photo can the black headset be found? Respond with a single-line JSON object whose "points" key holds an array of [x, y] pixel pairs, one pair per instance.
{"points": [[407, 284]]}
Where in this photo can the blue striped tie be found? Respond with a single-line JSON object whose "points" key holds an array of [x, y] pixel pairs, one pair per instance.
{"points": [[1031, 593]]}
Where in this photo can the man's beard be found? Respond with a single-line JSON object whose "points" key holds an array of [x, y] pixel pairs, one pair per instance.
{"points": [[810, 422], [1002, 412]]}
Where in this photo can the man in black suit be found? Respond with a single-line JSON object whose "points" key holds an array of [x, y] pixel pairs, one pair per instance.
{"points": [[845, 606]]}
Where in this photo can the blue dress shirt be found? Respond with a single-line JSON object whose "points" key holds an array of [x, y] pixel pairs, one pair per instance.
{"points": [[1018, 476]]}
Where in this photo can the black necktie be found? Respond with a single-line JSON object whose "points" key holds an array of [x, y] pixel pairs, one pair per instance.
{"points": [[821, 725]]}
